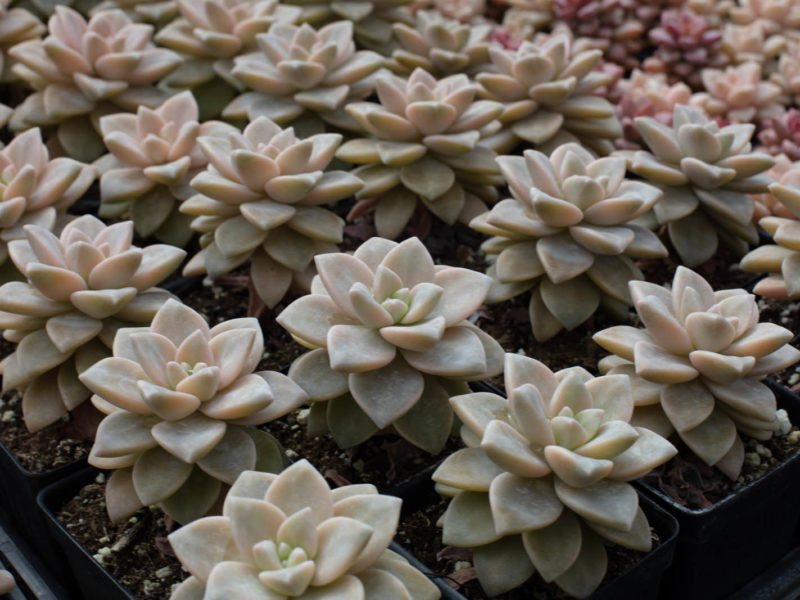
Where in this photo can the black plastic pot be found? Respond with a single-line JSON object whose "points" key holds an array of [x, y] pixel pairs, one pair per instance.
{"points": [[93, 581], [780, 582], [18, 502], [34, 579], [723, 547]]}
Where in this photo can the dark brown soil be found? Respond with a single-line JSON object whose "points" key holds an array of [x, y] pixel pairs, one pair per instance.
{"points": [[418, 532], [61, 443], [127, 550]]}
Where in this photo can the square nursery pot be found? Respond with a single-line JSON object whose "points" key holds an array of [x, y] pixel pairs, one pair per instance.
{"points": [[35, 581], [722, 547]]}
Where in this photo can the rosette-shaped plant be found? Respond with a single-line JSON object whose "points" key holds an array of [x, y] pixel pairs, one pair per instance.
{"points": [[391, 342], [16, 26], [542, 483], [781, 134], [546, 87], [697, 365], [743, 43], [178, 396], [34, 190], [153, 156], [706, 173], [88, 68], [259, 200], [81, 288], [566, 235], [372, 19], [767, 204], [288, 536], [426, 146], [686, 43], [775, 16], [782, 259], [439, 45], [299, 69], [737, 94], [210, 34]]}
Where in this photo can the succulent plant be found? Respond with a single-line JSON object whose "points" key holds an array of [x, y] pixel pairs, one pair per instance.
{"points": [[697, 365], [299, 69], [779, 259], [81, 288], [686, 43], [390, 342], [463, 11], [706, 173], [646, 95], [775, 16], [178, 396], [87, 69], [768, 205], [737, 94], [372, 19], [153, 156], [523, 18], [787, 74], [439, 45], [744, 43], [542, 483], [566, 235], [16, 25], [425, 146], [260, 199], [781, 134], [546, 88], [291, 536], [210, 34], [35, 190], [150, 11], [617, 27]]}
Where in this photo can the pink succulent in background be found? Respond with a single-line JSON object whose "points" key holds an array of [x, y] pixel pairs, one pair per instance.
{"points": [[88, 68], [302, 70], [781, 134], [35, 190], [743, 43], [81, 288], [150, 11], [787, 75], [775, 16], [16, 25], [767, 204], [463, 11], [153, 156], [179, 397], [737, 94], [522, 19], [686, 43]]}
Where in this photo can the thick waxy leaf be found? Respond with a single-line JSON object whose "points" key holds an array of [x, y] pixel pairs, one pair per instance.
{"points": [[713, 438], [158, 474], [502, 565], [387, 393], [588, 570], [468, 521], [610, 503], [468, 469], [554, 548], [191, 438], [520, 504]]}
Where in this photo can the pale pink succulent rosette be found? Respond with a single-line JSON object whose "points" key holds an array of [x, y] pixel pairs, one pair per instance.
{"points": [[301, 71], [542, 485], [775, 16], [179, 396], [787, 75], [16, 25], [289, 536], [260, 199], [738, 94], [84, 67], [750, 42], [390, 341], [149, 11], [81, 288], [35, 190], [697, 365], [153, 156], [768, 204]]}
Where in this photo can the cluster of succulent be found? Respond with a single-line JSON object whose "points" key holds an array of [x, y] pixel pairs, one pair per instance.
{"points": [[775, 16], [696, 366], [566, 235], [546, 87], [750, 43], [153, 156], [738, 94], [523, 18], [706, 173], [35, 190], [781, 134], [81, 288], [542, 484], [16, 25], [260, 200], [439, 45], [425, 147], [787, 74], [149, 11], [87, 68], [298, 70], [178, 397], [767, 204], [390, 343], [686, 43], [290, 536]]}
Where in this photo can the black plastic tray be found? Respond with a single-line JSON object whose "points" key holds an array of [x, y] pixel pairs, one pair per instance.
{"points": [[34, 579]]}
